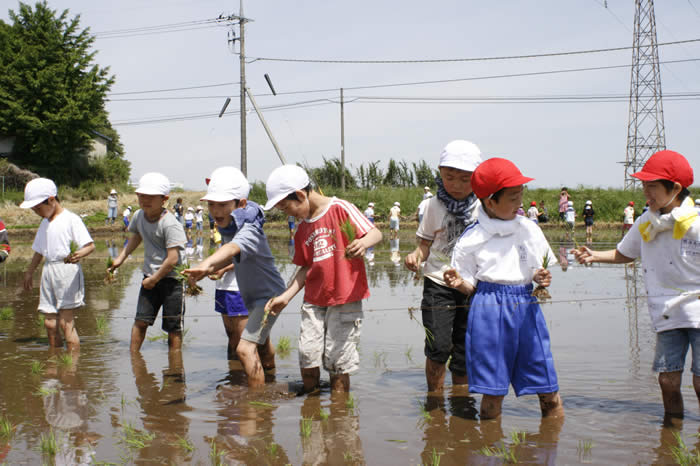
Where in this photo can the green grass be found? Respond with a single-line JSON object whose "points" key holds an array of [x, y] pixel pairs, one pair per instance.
{"points": [[323, 415], [216, 456], [284, 347], [507, 455], [48, 444], [135, 439], [184, 444], [350, 402], [36, 368], [6, 313], [424, 413], [305, 427], [6, 428], [101, 325], [380, 359], [408, 354], [65, 359], [681, 454], [518, 436]]}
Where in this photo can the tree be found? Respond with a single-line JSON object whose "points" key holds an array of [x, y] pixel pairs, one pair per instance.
{"points": [[52, 96]]}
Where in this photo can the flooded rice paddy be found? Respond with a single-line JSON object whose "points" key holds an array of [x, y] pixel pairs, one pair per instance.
{"points": [[103, 406]]}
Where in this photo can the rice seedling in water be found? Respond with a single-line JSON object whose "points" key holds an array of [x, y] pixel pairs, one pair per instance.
{"points": [[541, 293], [429, 337], [272, 449], [111, 275], [348, 457], [305, 427], [6, 313], [184, 444], [48, 444], [44, 391], [396, 440], [101, 325], [190, 290], [65, 359], [323, 415], [584, 448], [379, 358], [425, 414], [6, 428], [261, 404], [36, 368], [518, 437], [506, 454], [408, 353], [162, 336], [435, 457], [134, 438], [681, 454], [284, 347], [350, 402], [215, 455]]}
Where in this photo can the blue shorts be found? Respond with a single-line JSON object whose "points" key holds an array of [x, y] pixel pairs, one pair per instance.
{"points": [[188, 223], [672, 347], [126, 221], [199, 226], [507, 342], [291, 225], [229, 303]]}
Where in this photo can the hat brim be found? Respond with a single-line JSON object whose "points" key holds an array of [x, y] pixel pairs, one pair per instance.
{"points": [[646, 176], [151, 192], [217, 197], [32, 203], [459, 165], [274, 200]]}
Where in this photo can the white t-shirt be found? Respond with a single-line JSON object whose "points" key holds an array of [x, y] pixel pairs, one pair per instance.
{"points": [[369, 212], [189, 216], [670, 267], [394, 212], [443, 229], [198, 216], [53, 238], [127, 212], [570, 214], [421, 206], [507, 252], [227, 282], [532, 213], [629, 215]]}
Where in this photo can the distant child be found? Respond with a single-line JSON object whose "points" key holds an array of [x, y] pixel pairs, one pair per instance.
{"points": [[563, 203], [332, 269], [543, 216], [426, 192], [421, 207], [667, 238], [445, 310], [291, 223], [245, 271], [533, 213], [369, 212], [570, 216], [126, 215], [588, 214], [520, 211], [178, 210], [496, 260], [199, 218], [394, 217], [4, 243], [163, 249], [189, 219], [62, 240], [628, 217], [112, 203]]}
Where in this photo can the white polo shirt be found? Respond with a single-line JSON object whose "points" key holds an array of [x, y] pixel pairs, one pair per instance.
{"points": [[507, 252], [671, 267]]}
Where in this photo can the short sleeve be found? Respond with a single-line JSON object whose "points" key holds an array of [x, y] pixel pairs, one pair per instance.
{"points": [[39, 244], [358, 220], [135, 220], [248, 240], [631, 244], [431, 222], [174, 233], [464, 261], [80, 232]]}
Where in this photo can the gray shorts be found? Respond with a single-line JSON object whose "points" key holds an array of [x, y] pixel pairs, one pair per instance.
{"points": [[330, 335], [393, 224], [62, 287], [253, 331]]}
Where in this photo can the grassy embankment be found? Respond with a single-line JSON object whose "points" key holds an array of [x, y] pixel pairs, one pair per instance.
{"points": [[608, 203]]}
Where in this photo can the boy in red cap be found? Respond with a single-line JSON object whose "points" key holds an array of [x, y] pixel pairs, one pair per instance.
{"points": [[497, 259], [667, 238], [628, 219]]}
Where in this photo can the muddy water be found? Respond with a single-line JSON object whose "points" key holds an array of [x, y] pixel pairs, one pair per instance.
{"points": [[193, 407]]}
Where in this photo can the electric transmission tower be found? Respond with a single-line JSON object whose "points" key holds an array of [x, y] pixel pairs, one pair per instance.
{"points": [[645, 132]]}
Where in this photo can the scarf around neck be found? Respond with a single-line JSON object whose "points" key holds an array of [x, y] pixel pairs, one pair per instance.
{"points": [[462, 210], [680, 219]]}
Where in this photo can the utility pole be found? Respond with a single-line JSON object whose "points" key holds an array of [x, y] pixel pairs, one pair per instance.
{"points": [[342, 141], [244, 150], [645, 132]]}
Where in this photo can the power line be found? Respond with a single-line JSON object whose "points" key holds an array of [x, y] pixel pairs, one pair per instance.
{"points": [[174, 89], [163, 29], [454, 60]]}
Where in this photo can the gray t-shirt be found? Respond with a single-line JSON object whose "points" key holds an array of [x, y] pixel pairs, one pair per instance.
{"points": [[157, 237]]}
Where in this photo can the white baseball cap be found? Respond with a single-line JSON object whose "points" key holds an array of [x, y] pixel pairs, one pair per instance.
{"points": [[427, 188], [37, 191], [154, 184], [199, 207], [460, 154], [282, 182], [114, 191], [589, 203], [227, 184], [397, 203], [190, 208], [371, 204], [570, 203]]}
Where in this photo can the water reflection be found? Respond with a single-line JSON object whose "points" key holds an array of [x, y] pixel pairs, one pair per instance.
{"points": [[331, 436], [163, 406]]}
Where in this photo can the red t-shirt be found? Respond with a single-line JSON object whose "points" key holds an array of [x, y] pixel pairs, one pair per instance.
{"points": [[319, 243]]}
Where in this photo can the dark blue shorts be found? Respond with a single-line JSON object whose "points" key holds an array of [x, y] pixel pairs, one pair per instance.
{"points": [[229, 303], [168, 294], [588, 221], [188, 223], [507, 342], [291, 225]]}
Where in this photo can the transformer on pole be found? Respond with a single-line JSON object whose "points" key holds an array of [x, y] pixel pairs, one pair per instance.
{"points": [[645, 132]]}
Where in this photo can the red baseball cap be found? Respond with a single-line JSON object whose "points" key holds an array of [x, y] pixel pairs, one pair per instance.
{"points": [[631, 203], [533, 203], [495, 174], [667, 165]]}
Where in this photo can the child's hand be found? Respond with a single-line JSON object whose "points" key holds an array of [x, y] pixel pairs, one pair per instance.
{"points": [[355, 249], [115, 264], [583, 255], [452, 278], [149, 283], [196, 274], [72, 258], [543, 277], [28, 281], [412, 262], [215, 276], [275, 305]]}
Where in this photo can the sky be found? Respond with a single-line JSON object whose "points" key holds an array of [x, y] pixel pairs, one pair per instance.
{"points": [[567, 143]]}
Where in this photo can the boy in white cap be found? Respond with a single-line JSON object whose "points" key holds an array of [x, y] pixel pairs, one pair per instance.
{"points": [[427, 193], [570, 218], [421, 207], [245, 253], [199, 218], [394, 217], [369, 212], [333, 271], [588, 214], [62, 283], [112, 203], [163, 246], [446, 216], [189, 219]]}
